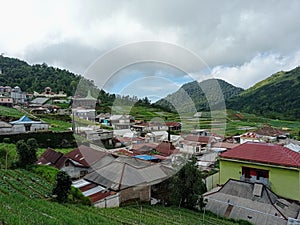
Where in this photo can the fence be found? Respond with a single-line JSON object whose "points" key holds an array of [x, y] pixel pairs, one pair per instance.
{"points": [[212, 181]]}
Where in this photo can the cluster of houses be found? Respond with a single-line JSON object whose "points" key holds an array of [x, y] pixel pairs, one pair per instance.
{"points": [[258, 179], [258, 176]]}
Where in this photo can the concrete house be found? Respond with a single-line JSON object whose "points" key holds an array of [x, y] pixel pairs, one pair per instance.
{"points": [[253, 202], [24, 124], [275, 166], [76, 163], [131, 178], [84, 108], [120, 121]]}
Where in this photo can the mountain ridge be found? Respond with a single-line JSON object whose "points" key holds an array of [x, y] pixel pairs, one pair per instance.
{"points": [[199, 96]]}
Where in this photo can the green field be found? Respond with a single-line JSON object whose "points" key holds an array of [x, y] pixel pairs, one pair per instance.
{"points": [[11, 112], [25, 199]]}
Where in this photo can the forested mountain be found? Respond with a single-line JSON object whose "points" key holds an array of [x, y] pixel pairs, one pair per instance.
{"points": [[36, 77], [278, 96], [30, 78], [195, 96]]}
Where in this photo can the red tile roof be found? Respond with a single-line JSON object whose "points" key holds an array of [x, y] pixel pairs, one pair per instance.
{"points": [[264, 153]]}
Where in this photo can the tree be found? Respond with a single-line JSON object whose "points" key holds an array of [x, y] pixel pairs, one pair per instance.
{"points": [[187, 187], [32, 147], [27, 152], [62, 187]]}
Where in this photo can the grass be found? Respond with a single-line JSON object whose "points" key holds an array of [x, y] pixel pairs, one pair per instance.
{"points": [[58, 125], [11, 112]]}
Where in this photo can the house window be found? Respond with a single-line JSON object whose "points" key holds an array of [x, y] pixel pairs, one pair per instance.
{"points": [[197, 149], [67, 163], [257, 174]]}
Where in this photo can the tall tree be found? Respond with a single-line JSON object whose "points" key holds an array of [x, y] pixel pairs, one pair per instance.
{"points": [[27, 152], [187, 187], [32, 147], [62, 187]]}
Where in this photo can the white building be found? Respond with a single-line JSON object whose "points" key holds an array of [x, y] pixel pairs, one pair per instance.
{"points": [[24, 124]]}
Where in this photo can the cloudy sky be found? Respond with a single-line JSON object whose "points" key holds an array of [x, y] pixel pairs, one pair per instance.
{"points": [[241, 42]]}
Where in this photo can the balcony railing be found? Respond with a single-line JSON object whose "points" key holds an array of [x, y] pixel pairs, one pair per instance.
{"points": [[253, 179]]}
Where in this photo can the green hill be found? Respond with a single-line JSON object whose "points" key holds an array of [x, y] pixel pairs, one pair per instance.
{"points": [[36, 77], [194, 96], [24, 199], [275, 97]]}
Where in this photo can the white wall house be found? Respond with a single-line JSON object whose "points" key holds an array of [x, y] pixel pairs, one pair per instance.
{"points": [[24, 124]]}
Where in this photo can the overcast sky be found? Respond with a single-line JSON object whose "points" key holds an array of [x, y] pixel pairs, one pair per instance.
{"points": [[241, 42]]}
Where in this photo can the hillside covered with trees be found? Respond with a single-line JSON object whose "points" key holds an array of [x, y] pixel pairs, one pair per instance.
{"points": [[194, 95], [36, 77], [275, 97]]}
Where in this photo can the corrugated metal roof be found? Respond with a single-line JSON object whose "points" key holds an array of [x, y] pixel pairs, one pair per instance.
{"points": [[80, 183], [85, 155], [39, 100], [126, 172], [258, 210], [24, 120], [93, 191], [146, 157]]}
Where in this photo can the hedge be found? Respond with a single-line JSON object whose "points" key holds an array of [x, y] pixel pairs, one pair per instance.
{"points": [[53, 139]]}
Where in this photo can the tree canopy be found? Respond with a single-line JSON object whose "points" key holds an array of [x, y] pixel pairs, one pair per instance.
{"points": [[27, 152], [184, 189], [62, 186]]}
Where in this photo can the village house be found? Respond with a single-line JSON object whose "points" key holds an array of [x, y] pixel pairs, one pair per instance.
{"points": [[48, 93], [275, 166], [101, 136], [253, 202], [131, 178], [196, 144], [24, 124], [5, 89], [270, 134], [6, 101], [119, 122], [84, 108], [76, 163], [99, 196], [18, 96], [156, 126]]}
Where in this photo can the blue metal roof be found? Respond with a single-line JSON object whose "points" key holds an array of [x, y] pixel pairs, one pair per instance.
{"points": [[24, 120], [146, 157]]}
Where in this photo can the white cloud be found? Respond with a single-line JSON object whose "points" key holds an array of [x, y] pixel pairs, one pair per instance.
{"points": [[242, 41], [259, 68]]}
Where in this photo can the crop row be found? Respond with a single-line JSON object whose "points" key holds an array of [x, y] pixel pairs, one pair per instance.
{"points": [[26, 187]]}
